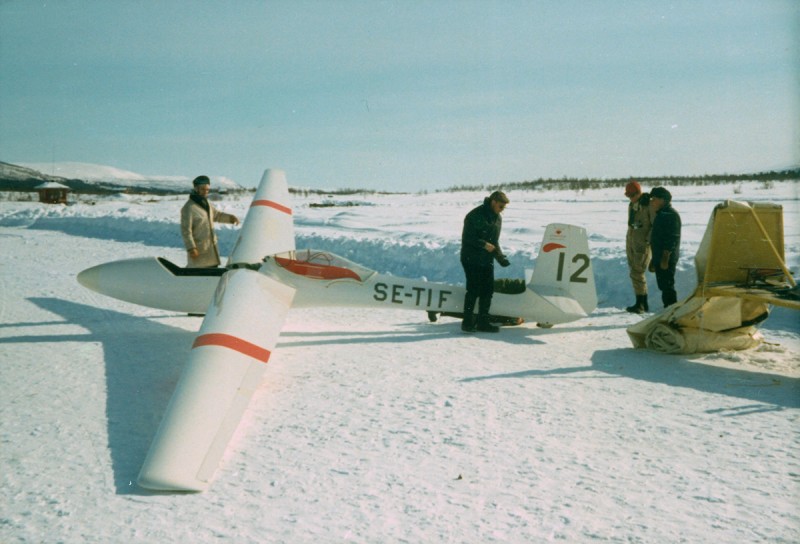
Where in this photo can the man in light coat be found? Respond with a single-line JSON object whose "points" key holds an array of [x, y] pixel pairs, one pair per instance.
{"points": [[637, 243], [198, 216]]}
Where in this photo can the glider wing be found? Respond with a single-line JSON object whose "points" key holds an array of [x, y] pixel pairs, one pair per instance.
{"points": [[226, 365], [268, 228]]}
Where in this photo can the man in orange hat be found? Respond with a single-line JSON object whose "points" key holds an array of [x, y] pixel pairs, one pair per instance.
{"points": [[637, 243]]}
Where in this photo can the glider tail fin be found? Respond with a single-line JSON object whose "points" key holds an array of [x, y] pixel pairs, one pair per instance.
{"points": [[563, 267]]}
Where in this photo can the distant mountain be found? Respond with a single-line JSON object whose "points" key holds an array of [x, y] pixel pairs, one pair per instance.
{"points": [[94, 178], [13, 172]]}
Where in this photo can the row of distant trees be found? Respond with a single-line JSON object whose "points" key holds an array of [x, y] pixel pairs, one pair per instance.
{"points": [[305, 192], [579, 184]]}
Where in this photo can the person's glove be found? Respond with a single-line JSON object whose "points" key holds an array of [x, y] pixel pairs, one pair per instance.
{"points": [[504, 262]]}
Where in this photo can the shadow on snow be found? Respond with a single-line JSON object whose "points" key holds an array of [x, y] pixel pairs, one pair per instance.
{"points": [[143, 359], [772, 391]]}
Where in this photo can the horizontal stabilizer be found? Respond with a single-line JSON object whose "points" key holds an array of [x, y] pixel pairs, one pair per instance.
{"points": [[567, 305], [226, 365]]}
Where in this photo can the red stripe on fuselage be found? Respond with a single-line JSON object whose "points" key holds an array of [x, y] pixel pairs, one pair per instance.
{"points": [[316, 271], [234, 343], [272, 204]]}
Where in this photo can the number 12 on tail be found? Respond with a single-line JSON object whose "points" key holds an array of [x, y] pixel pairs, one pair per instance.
{"points": [[576, 276]]}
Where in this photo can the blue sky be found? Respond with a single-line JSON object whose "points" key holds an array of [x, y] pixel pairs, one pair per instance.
{"points": [[402, 95]]}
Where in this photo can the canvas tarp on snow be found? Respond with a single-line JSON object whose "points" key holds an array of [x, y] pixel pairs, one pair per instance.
{"points": [[702, 324], [740, 271]]}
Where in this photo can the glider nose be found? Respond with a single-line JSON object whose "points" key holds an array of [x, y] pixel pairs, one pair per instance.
{"points": [[90, 278]]}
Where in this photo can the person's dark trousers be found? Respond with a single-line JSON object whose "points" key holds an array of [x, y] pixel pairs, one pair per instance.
{"points": [[480, 288], [665, 279]]}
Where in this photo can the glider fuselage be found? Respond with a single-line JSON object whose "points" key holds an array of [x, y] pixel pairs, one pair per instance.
{"points": [[158, 283]]}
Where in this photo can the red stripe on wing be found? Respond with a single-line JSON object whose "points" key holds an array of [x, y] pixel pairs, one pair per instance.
{"points": [[234, 343], [272, 204]]}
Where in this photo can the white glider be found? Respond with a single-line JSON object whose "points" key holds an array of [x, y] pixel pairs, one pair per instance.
{"points": [[246, 302]]}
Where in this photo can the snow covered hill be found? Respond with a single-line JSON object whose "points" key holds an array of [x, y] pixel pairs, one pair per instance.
{"points": [[107, 177], [14, 172]]}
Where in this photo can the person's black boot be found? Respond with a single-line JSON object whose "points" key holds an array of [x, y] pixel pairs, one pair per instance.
{"points": [[640, 307], [485, 326], [468, 324], [484, 322]]}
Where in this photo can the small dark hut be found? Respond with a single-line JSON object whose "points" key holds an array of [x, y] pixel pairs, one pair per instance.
{"points": [[52, 192]]}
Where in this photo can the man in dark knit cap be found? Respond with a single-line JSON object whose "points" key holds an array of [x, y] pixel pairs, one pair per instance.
{"points": [[665, 241], [198, 216], [480, 247]]}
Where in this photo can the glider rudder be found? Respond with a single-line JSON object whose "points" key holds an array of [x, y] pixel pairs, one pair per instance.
{"points": [[563, 266]]}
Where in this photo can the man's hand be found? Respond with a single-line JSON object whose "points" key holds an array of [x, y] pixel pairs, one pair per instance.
{"points": [[194, 253], [504, 262], [490, 247], [664, 264]]}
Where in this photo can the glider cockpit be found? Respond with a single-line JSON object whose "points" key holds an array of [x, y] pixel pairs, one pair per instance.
{"points": [[309, 263], [321, 265], [176, 270]]}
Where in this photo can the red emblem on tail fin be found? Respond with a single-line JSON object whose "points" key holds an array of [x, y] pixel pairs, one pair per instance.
{"points": [[547, 248]]}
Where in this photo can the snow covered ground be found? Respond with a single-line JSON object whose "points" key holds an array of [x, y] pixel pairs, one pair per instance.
{"points": [[378, 426]]}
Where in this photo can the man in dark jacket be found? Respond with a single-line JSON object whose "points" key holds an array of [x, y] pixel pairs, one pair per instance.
{"points": [[665, 241], [480, 247]]}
